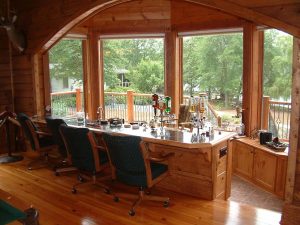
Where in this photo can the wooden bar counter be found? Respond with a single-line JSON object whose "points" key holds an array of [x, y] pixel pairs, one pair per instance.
{"points": [[201, 168]]}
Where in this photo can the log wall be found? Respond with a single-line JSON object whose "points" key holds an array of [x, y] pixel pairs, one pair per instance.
{"points": [[5, 80]]}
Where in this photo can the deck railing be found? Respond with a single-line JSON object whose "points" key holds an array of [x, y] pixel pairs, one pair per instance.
{"points": [[66, 103], [130, 106], [276, 117]]}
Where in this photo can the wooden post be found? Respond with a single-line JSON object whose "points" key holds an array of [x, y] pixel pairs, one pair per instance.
{"points": [[130, 103], [252, 77], [101, 78], [172, 65], [265, 114], [291, 208], [37, 71], [78, 100], [93, 84]]}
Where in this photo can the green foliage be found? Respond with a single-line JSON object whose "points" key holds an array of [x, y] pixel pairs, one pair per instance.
{"points": [[60, 104], [277, 64], [142, 58], [213, 64], [65, 59], [148, 77]]}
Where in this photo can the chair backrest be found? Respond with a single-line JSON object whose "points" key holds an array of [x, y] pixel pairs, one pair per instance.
{"points": [[125, 154], [53, 126], [79, 147], [29, 128]]}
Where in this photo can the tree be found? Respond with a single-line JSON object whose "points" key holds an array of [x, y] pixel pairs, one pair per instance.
{"points": [[147, 77], [277, 64], [213, 64], [65, 59], [129, 54]]}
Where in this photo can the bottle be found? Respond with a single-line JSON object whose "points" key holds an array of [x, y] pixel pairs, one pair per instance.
{"points": [[155, 103], [168, 104], [192, 104], [161, 104], [202, 103]]}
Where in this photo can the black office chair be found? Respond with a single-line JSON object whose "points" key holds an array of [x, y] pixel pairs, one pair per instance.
{"points": [[53, 126], [40, 141], [84, 154], [133, 165]]}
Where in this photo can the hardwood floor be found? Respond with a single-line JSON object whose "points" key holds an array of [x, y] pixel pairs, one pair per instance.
{"points": [[52, 196]]}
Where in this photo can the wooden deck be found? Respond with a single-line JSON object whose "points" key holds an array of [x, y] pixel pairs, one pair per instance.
{"points": [[51, 195]]}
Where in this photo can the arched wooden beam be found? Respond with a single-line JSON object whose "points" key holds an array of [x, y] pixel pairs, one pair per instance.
{"points": [[225, 6], [83, 14], [249, 14]]}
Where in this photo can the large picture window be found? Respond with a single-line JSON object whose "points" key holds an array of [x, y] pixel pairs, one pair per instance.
{"points": [[277, 82], [213, 64], [132, 66], [66, 78]]}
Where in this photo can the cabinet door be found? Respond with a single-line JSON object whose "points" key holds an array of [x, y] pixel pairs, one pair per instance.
{"points": [[281, 176], [264, 170], [243, 159]]}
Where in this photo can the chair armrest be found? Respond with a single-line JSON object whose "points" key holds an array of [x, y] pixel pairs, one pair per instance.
{"points": [[43, 133], [162, 157], [100, 148]]}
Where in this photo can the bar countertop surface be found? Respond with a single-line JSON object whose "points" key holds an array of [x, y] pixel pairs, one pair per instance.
{"points": [[169, 136]]}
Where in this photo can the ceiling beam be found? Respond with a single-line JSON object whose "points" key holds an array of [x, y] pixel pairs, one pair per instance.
{"points": [[250, 14]]}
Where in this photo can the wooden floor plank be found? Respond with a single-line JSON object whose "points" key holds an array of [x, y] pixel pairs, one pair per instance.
{"points": [[52, 196]]}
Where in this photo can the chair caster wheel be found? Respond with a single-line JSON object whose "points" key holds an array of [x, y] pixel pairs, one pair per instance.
{"points": [[74, 191], [131, 213], [116, 199], [106, 191], [80, 179], [29, 168], [166, 204]]}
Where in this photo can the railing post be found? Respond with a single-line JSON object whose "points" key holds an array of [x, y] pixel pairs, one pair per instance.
{"points": [[78, 100], [130, 103], [266, 110]]}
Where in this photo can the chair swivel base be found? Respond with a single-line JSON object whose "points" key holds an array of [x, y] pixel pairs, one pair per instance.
{"points": [[142, 196], [10, 159]]}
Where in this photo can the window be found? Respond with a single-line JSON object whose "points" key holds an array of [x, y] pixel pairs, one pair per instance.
{"points": [[132, 64], [66, 76], [213, 64], [277, 82]]}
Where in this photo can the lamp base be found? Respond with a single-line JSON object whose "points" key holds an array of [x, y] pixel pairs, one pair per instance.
{"points": [[10, 159]]}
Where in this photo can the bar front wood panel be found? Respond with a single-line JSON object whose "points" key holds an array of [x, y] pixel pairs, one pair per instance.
{"points": [[191, 172], [198, 172]]}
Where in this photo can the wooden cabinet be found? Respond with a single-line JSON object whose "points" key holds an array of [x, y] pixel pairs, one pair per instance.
{"points": [[264, 169], [243, 159], [260, 165]]}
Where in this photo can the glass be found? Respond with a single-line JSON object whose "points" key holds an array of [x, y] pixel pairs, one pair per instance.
{"points": [[80, 118]]}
